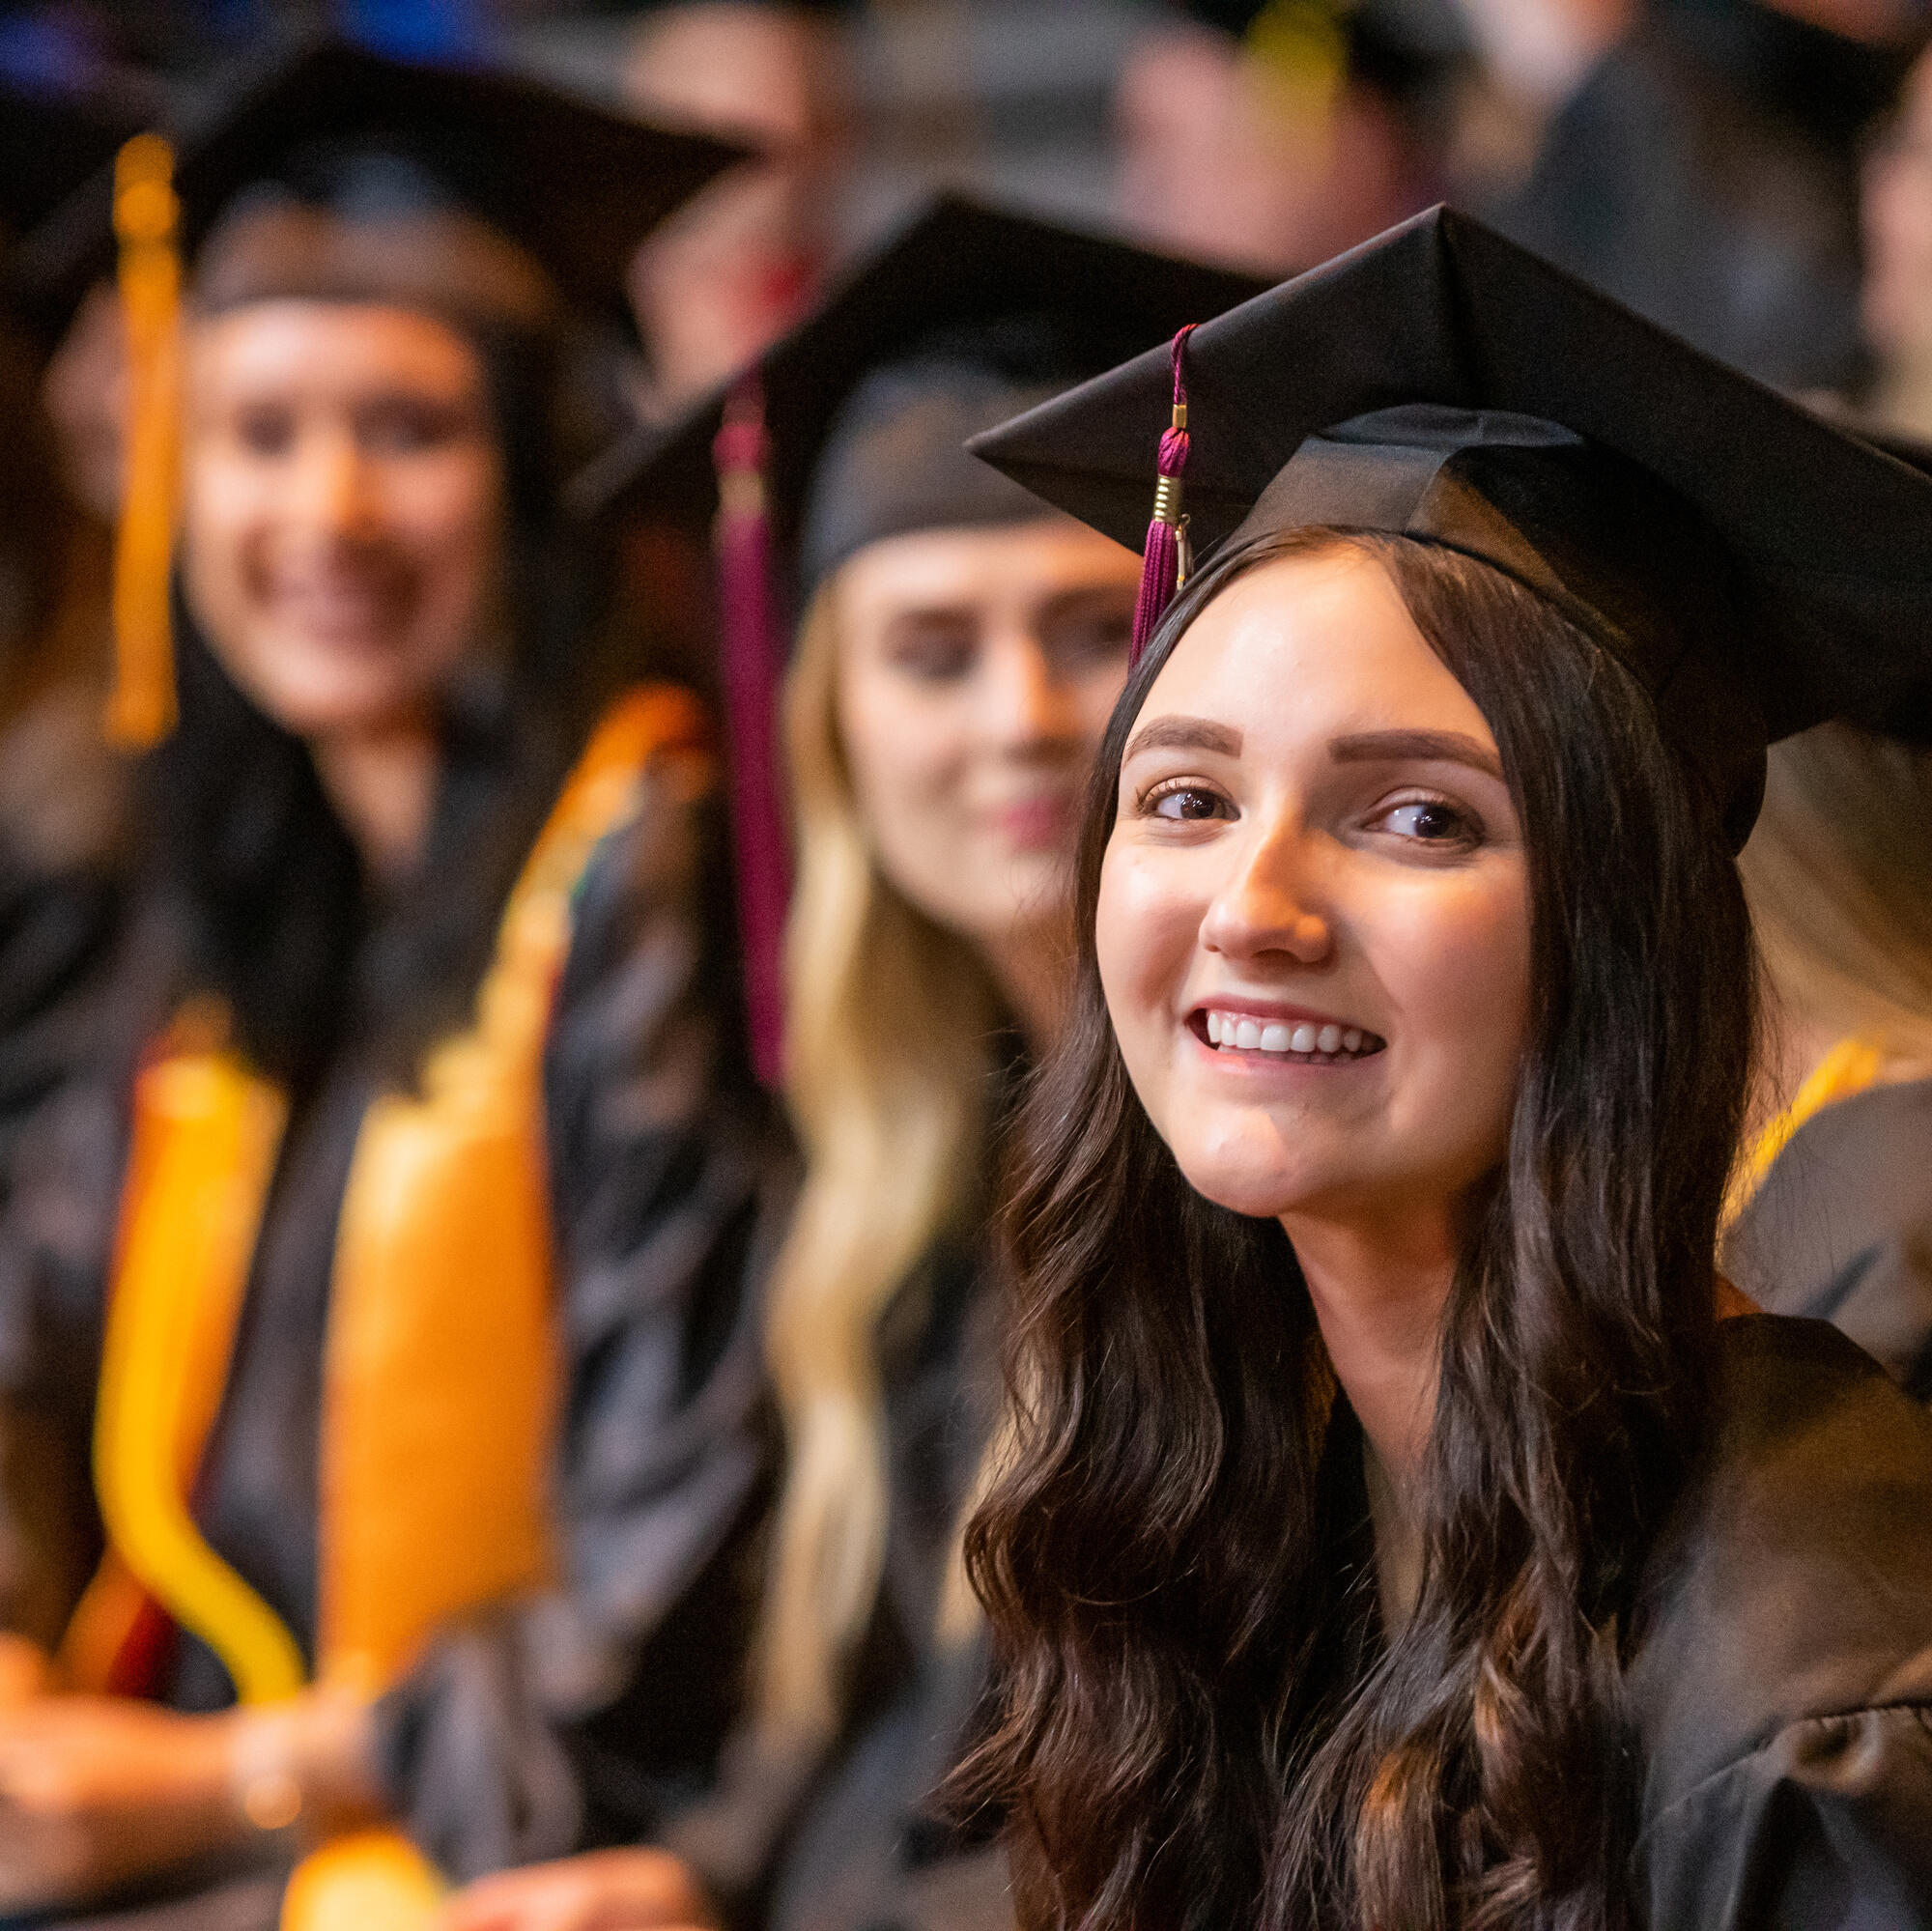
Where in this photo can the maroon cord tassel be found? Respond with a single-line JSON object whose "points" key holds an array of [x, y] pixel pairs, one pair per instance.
{"points": [[1164, 561], [753, 658]]}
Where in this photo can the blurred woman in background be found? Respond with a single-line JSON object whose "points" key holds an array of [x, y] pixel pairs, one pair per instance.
{"points": [[377, 1363]]}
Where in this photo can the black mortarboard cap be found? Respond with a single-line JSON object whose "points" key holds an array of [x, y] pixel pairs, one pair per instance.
{"points": [[52, 141], [869, 401], [1759, 568], [577, 185], [858, 432]]}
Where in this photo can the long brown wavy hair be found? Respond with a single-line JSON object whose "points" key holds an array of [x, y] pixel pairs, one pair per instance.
{"points": [[1203, 1721]]}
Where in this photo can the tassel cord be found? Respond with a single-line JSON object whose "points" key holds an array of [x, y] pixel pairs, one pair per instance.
{"points": [[1164, 556], [751, 662]]}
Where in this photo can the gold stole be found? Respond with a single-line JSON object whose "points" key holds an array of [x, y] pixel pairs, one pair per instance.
{"points": [[1849, 1067], [441, 1372]]}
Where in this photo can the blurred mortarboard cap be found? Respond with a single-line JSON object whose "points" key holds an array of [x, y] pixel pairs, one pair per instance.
{"points": [[962, 308], [576, 184], [1759, 568], [54, 140]]}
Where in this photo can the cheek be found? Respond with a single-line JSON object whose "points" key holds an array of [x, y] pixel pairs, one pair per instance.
{"points": [[223, 504], [225, 522], [1145, 933], [448, 515], [1458, 970], [907, 756]]}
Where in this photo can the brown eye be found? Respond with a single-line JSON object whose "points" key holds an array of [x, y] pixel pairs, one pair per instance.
{"points": [[1429, 821], [410, 425], [1185, 803]]}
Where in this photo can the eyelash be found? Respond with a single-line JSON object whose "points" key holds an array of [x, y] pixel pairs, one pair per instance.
{"points": [[1467, 835], [1175, 788]]}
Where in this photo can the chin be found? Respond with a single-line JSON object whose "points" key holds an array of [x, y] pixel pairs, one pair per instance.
{"points": [[1247, 1178], [310, 713]]}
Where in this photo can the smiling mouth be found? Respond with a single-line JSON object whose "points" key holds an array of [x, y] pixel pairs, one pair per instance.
{"points": [[1303, 1042]]}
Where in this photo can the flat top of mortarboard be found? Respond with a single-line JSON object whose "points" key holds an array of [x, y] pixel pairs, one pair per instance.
{"points": [[52, 139], [56, 136], [954, 265], [575, 184], [1830, 540]]}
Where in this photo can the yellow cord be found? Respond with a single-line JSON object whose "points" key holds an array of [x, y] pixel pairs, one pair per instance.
{"points": [[205, 1164]]}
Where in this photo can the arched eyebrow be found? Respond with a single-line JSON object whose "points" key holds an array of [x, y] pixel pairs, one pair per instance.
{"points": [[1186, 735], [1415, 747]]}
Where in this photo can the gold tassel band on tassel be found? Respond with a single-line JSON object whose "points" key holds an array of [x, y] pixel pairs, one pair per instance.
{"points": [[142, 709]]}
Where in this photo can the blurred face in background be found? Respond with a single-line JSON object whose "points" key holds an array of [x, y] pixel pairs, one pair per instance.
{"points": [[727, 275], [1230, 156], [1896, 216], [977, 668], [343, 509], [85, 393]]}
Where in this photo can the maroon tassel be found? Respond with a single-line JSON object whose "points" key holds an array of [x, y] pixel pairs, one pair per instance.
{"points": [[753, 660], [1165, 561]]}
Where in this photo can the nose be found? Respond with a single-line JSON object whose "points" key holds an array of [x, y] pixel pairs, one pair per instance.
{"points": [[1271, 904], [1028, 705], [330, 485]]}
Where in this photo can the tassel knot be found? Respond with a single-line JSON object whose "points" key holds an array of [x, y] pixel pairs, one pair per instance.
{"points": [[1165, 558]]}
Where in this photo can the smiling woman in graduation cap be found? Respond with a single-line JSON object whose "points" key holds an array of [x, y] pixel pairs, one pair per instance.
{"points": [[387, 1267], [1407, 1525]]}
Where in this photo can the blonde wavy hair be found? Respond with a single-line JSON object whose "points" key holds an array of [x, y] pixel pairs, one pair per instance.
{"points": [[1839, 880], [889, 1024]]}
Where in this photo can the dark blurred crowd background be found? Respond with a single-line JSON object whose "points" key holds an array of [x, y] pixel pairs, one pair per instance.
{"points": [[1756, 176]]}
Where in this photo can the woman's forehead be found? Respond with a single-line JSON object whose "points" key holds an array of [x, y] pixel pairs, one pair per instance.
{"points": [[306, 342], [1300, 648], [995, 560]]}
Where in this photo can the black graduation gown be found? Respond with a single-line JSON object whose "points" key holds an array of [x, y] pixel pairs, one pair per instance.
{"points": [[62, 878], [854, 1838], [1840, 1229], [587, 1715], [1782, 1685]]}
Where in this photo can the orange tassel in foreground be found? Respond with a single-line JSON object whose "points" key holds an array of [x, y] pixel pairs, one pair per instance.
{"points": [[142, 709]]}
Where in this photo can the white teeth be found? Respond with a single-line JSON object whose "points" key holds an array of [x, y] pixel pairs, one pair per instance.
{"points": [[1236, 1032]]}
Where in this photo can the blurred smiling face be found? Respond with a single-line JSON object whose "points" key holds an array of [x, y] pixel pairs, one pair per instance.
{"points": [[1314, 918], [977, 668], [343, 508]]}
